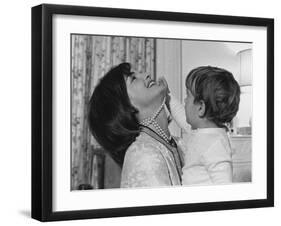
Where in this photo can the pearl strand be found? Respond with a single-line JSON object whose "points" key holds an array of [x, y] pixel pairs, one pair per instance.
{"points": [[151, 120]]}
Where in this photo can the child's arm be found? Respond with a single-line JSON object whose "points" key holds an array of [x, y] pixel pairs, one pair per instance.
{"points": [[218, 163], [178, 113], [175, 109]]}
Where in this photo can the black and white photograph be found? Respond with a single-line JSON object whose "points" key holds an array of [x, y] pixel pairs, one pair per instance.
{"points": [[154, 112], [139, 112], [118, 112]]}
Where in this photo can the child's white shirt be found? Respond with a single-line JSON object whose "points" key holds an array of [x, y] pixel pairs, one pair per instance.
{"points": [[206, 151]]}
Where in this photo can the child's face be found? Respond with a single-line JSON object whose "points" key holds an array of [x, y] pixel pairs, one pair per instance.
{"points": [[191, 110]]}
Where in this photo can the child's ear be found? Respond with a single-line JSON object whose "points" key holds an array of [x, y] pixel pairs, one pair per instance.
{"points": [[201, 108]]}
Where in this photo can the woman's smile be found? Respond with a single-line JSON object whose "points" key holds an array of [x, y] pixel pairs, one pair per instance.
{"points": [[144, 91], [151, 83]]}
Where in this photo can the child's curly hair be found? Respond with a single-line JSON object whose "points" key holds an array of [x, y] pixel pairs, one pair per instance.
{"points": [[219, 91]]}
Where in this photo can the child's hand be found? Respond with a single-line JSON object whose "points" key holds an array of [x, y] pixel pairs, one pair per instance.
{"points": [[167, 102], [164, 81]]}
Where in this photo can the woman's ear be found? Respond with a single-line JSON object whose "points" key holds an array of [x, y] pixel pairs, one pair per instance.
{"points": [[201, 108]]}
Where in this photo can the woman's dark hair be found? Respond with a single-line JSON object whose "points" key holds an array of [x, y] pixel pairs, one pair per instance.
{"points": [[219, 91], [112, 118]]}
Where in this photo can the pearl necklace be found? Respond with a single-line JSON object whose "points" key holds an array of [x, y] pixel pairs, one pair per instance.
{"points": [[151, 121]]}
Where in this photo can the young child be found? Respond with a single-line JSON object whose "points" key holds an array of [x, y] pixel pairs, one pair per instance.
{"points": [[212, 101]]}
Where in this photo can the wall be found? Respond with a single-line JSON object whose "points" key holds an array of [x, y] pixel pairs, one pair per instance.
{"points": [[218, 54], [16, 124], [176, 58], [202, 53]]}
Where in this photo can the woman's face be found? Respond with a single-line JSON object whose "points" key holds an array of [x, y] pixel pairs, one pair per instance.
{"points": [[145, 93]]}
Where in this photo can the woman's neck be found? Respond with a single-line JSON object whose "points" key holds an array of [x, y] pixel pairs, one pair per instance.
{"points": [[161, 119]]}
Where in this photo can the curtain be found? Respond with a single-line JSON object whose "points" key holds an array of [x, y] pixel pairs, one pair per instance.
{"points": [[91, 58]]}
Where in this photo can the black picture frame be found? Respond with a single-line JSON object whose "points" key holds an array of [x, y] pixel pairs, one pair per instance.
{"points": [[42, 107]]}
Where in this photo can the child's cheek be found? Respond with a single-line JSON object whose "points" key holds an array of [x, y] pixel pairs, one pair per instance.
{"points": [[186, 109], [185, 102]]}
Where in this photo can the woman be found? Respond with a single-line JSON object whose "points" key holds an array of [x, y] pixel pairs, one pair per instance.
{"points": [[127, 117]]}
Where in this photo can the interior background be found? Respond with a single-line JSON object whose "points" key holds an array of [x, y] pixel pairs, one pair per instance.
{"points": [[16, 121], [92, 57]]}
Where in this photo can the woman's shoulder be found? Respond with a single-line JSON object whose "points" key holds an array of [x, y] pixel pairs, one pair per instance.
{"points": [[144, 145], [144, 164]]}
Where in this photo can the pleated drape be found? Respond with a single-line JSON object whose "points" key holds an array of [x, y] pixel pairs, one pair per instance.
{"points": [[91, 58]]}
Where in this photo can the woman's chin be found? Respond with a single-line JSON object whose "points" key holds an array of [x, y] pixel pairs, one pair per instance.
{"points": [[156, 96]]}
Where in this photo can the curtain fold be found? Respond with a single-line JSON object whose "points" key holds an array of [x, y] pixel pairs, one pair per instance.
{"points": [[91, 58]]}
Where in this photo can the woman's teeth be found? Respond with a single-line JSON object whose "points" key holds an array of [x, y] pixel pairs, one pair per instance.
{"points": [[151, 84]]}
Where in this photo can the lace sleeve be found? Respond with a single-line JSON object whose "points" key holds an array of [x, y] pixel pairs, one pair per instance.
{"points": [[144, 166]]}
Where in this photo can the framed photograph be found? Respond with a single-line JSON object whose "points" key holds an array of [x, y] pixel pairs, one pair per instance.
{"points": [[145, 112]]}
